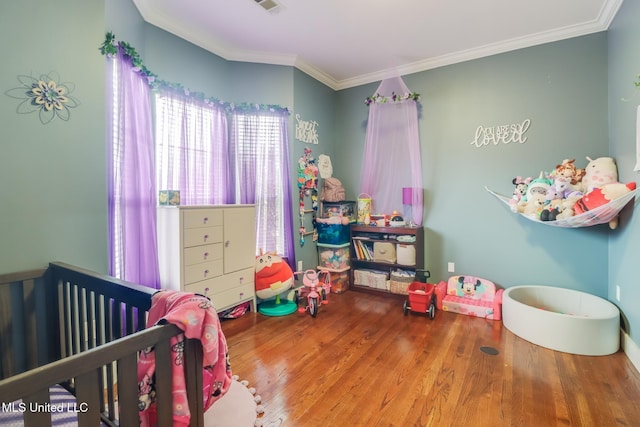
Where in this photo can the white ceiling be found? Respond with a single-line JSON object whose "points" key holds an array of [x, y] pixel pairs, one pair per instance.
{"points": [[346, 43]]}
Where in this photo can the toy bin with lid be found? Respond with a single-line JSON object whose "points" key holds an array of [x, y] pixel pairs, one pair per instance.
{"points": [[345, 209], [335, 257], [333, 234], [339, 279]]}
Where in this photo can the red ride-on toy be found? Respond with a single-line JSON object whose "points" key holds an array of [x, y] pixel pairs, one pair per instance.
{"points": [[422, 297]]}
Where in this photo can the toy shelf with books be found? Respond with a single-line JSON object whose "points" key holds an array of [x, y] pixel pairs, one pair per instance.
{"points": [[379, 253]]}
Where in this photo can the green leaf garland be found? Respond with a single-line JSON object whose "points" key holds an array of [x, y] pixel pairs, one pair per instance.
{"points": [[379, 99], [110, 48]]}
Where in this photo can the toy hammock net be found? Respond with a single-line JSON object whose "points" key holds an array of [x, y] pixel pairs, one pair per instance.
{"points": [[600, 215]]}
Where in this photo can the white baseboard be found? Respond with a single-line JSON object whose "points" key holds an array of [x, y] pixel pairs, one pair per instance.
{"points": [[630, 348]]}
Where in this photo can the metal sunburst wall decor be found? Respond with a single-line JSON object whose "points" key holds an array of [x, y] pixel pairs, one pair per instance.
{"points": [[45, 94]]}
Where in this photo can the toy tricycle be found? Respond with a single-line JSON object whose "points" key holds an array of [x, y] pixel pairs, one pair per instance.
{"points": [[313, 291]]}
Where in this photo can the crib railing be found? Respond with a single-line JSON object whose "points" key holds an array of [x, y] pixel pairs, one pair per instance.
{"points": [[63, 312], [86, 369], [23, 338]]}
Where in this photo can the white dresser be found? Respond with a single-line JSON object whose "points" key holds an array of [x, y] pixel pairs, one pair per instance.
{"points": [[210, 250]]}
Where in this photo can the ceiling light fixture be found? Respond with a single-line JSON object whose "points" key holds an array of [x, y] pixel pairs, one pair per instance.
{"points": [[268, 5]]}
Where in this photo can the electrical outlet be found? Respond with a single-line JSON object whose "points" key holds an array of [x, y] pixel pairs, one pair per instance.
{"points": [[618, 292], [451, 267], [299, 265]]}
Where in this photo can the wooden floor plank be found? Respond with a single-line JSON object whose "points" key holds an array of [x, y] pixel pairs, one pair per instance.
{"points": [[362, 362]]}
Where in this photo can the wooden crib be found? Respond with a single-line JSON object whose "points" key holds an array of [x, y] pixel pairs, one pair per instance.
{"points": [[69, 326]]}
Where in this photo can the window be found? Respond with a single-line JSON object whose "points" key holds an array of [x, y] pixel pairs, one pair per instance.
{"points": [[258, 151], [213, 162], [191, 149]]}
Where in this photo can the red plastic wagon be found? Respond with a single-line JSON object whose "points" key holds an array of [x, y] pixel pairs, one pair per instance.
{"points": [[421, 299]]}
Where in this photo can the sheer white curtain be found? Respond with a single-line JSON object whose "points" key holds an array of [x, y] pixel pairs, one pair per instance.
{"points": [[391, 158], [259, 152], [192, 149]]}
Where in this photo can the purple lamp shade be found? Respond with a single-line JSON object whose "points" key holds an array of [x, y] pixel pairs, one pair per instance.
{"points": [[409, 195], [412, 197]]}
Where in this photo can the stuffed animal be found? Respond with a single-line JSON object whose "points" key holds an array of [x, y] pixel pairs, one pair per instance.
{"points": [[567, 169], [552, 202], [599, 172], [533, 206], [559, 209], [538, 186], [563, 186], [273, 276], [601, 196], [521, 188]]}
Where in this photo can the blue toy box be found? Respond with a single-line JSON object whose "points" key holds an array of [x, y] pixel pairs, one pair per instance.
{"points": [[333, 234]]}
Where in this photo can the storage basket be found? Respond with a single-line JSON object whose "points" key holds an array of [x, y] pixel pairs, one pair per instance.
{"points": [[384, 252], [371, 278], [400, 284], [406, 254]]}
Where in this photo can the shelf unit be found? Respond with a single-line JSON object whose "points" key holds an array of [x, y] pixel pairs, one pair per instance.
{"points": [[371, 235]]}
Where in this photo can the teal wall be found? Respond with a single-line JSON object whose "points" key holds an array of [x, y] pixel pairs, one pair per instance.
{"points": [[561, 88], [178, 61], [54, 186], [52, 176], [624, 98], [313, 101]]}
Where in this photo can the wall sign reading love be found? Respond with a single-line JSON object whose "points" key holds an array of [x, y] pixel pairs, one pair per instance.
{"points": [[306, 130], [504, 134]]}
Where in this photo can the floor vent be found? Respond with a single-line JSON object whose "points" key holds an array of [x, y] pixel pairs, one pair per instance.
{"points": [[268, 5]]}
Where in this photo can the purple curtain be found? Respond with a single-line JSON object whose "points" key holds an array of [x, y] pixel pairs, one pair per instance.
{"points": [[391, 158], [192, 149], [259, 166], [131, 176]]}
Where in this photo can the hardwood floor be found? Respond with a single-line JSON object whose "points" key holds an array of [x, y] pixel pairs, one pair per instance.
{"points": [[362, 362]]}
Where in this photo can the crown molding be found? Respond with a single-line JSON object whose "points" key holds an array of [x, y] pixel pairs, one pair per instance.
{"points": [[225, 51]]}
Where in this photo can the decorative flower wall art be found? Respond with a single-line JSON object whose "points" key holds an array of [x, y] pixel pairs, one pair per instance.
{"points": [[46, 95]]}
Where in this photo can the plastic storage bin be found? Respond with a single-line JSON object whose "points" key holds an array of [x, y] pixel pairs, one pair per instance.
{"points": [[339, 280], [345, 209], [333, 234], [335, 257]]}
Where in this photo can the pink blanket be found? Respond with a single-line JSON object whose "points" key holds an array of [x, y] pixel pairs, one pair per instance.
{"points": [[196, 316]]}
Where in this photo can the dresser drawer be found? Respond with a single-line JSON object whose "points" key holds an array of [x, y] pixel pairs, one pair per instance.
{"points": [[197, 218], [219, 284], [203, 271], [198, 254], [202, 236], [232, 296]]}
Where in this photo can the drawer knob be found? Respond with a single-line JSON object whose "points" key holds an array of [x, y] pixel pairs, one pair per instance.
{"points": [[241, 279], [205, 220], [206, 254], [205, 237], [206, 272], [227, 244], [206, 291], [241, 294]]}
